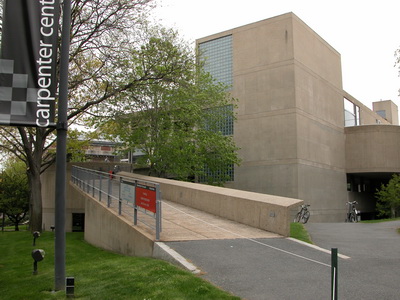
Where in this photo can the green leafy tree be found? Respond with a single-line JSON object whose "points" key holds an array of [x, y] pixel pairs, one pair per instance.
{"points": [[177, 124], [14, 192], [388, 196], [77, 144], [103, 34]]}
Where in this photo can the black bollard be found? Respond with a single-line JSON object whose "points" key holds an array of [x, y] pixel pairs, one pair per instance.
{"points": [[36, 234], [37, 255], [334, 277]]}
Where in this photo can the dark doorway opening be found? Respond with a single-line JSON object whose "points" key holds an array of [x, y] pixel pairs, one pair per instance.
{"points": [[78, 222]]}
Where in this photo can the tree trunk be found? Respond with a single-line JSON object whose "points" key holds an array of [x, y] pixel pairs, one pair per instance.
{"points": [[33, 142], [35, 202]]}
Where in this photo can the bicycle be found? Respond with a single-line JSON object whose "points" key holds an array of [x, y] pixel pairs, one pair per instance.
{"points": [[352, 215], [303, 215]]}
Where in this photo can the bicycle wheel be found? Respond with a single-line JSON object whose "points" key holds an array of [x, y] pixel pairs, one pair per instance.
{"points": [[298, 216], [353, 218], [306, 216]]}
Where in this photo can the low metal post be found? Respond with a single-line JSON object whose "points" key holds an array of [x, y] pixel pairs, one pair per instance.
{"points": [[334, 273], [109, 192], [93, 180], [134, 206], [84, 180], [158, 219], [100, 180], [87, 182], [119, 197], [73, 174], [159, 212], [80, 178]]}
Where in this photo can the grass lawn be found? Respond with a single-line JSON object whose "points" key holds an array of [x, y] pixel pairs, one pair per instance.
{"points": [[298, 231], [98, 274]]}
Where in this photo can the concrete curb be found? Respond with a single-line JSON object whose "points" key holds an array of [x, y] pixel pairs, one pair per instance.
{"points": [[164, 252], [317, 248]]}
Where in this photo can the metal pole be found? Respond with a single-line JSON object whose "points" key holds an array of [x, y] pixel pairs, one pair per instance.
{"points": [[93, 177], [135, 215], [158, 212], [109, 191], [100, 178], [119, 197], [158, 219], [334, 274], [61, 162]]}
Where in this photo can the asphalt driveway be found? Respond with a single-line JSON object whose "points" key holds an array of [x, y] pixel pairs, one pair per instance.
{"points": [[373, 272], [279, 268]]}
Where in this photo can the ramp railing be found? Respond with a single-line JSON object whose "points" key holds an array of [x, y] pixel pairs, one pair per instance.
{"points": [[137, 199]]}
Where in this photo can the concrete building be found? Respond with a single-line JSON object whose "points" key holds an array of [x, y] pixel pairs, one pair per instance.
{"points": [[300, 134]]}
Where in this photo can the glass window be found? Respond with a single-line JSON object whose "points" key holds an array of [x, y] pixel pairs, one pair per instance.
{"points": [[357, 109], [221, 119], [217, 55], [382, 113], [218, 58], [224, 173], [351, 114]]}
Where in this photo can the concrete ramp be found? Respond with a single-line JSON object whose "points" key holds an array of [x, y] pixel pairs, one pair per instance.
{"points": [[107, 229], [112, 228], [182, 223]]}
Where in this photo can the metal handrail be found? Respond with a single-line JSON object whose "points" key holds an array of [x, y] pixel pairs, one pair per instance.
{"points": [[99, 184]]}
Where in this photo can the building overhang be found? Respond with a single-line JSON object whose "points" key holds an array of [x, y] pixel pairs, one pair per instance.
{"points": [[372, 149]]}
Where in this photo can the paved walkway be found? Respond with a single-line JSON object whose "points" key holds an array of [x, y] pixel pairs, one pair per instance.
{"points": [[258, 265], [280, 268], [182, 223]]}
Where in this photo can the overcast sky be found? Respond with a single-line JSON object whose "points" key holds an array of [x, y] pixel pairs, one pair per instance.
{"points": [[365, 33]]}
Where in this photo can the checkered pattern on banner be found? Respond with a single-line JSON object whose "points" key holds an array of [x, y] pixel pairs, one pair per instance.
{"points": [[16, 98]]}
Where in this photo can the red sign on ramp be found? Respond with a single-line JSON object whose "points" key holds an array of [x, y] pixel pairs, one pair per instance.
{"points": [[146, 197]]}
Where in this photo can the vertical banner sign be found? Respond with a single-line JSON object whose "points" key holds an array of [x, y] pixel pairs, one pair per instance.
{"points": [[28, 62]]}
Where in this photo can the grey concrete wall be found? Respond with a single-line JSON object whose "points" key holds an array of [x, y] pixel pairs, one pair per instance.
{"points": [[290, 114], [74, 202], [290, 122], [373, 148], [105, 229], [320, 119], [327, 189], [278, 178], [267, 212]]}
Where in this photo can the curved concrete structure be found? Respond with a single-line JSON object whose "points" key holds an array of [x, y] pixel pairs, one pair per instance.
{"points": [[372, 148]]}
